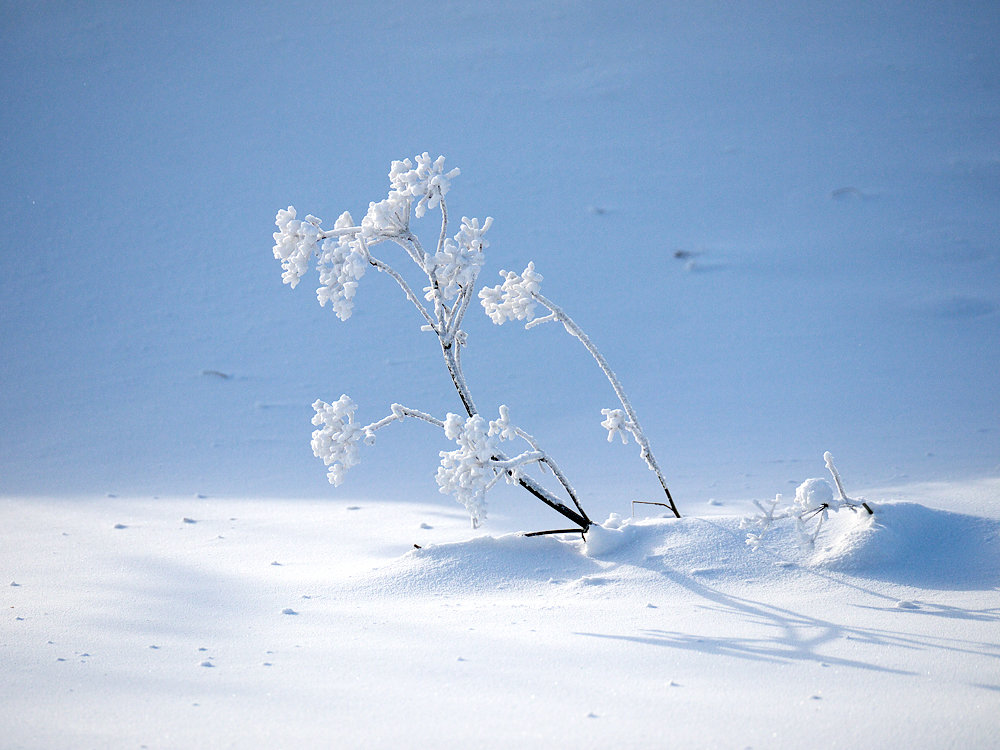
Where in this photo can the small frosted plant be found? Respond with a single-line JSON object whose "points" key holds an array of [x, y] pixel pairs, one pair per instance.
{"points": [[809, 509], [346, 251]]}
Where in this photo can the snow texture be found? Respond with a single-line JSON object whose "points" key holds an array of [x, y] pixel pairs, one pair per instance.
{"points": [[358, 638]]}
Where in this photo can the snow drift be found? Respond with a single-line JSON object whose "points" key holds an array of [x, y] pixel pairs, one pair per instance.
{"points": [[903, 543]]}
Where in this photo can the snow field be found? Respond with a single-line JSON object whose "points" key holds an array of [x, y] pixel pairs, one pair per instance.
{"points": [[206, 623]]}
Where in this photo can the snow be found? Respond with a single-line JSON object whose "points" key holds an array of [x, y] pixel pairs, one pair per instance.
{"points": [[301, 622], [779, 224]]}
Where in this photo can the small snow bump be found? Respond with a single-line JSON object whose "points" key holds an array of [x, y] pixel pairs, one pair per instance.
{"points": [[288, 611], [354, 507], [816, 697], [266, 664], [592, 715], [15, 584], [188, 520], [154, 647], [673, 684], [650, 606], [708, 572], [906, 604], [275, 562], [426, 526], [120, 526], [206, 663]]}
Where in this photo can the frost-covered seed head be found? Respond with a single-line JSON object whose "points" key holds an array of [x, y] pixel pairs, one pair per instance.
{"points": [[342, 262], [468, 472], [294, 243], [386, 218], [514, 299], [336, 442], [426, 183], [457, 264]]}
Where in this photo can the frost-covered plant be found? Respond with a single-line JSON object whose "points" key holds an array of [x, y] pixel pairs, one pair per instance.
{"points": [[809, 509], [345, 251]]}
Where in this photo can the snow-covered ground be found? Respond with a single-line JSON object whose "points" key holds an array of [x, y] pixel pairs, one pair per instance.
{"points": [[247, 623], [779, 222]]}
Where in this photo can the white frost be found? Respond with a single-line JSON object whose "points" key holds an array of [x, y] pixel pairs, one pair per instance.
{"points": [[512, 300], [336, 442], [294, 243]]}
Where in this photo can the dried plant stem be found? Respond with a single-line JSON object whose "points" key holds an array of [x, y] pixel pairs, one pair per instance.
{"points": [[557, 313]]}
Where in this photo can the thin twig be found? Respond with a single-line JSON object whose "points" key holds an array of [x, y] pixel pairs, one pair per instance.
{"points": [[555, 531], [646, 452]]}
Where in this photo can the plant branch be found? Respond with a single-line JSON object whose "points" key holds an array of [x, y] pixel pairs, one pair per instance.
{"points": [[399, 413], [573, 329], [386, 268], [444, 221]]}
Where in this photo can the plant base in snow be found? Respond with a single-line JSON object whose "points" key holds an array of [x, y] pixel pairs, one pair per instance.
{"points": [[814, 499]]}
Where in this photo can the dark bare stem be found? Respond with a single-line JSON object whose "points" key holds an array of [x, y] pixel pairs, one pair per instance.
{"points": [[553, 502], [554, 531], [648, 502], [580, 518]]}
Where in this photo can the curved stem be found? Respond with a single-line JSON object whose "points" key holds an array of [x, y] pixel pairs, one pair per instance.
{"points": [[444, 221], [400, 412], [556, 471], [573, 329], [386, 268]]}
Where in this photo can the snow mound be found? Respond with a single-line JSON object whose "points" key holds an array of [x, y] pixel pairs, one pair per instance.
{"points": [[912, 544], [511, 561], [629, 556], [903, 543]]}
